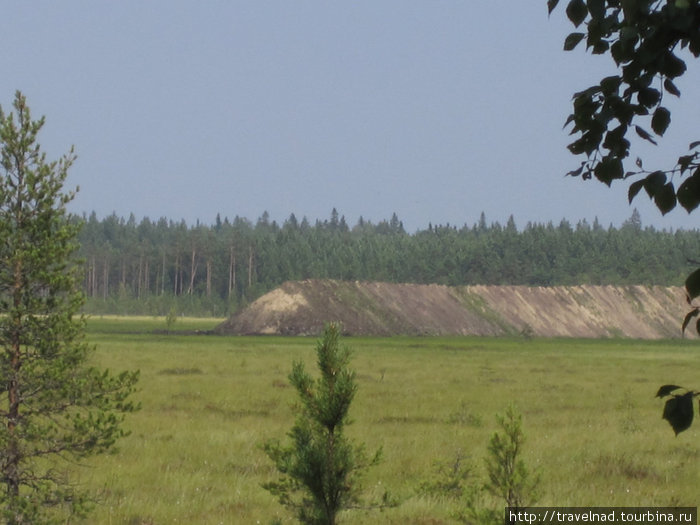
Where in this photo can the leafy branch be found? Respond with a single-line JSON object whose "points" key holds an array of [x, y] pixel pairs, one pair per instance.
{"points": [[678, 410], [644, 39], [692, 290]]}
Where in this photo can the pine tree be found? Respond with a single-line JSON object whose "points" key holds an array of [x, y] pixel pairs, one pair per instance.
{"points": [[321, 466], [53, 405], [509, 477]]}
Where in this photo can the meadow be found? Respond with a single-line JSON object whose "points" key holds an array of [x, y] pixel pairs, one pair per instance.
{"points": [[593, 427]]}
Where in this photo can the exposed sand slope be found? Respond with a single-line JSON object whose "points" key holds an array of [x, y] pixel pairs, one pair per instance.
{"points": [[369, 308]]}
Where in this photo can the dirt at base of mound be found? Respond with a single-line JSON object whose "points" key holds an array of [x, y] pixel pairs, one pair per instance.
{"points": [[370, 308]]}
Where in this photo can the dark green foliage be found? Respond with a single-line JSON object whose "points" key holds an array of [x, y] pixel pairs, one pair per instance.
{"points": [[692, 291], [508, 476], [53, 406], [692, 285], [678, 410], [689, 317], [170, 319], [320, 468], [644, 39], [120, 254], [509, 481], [666, 390], [452, 478]]}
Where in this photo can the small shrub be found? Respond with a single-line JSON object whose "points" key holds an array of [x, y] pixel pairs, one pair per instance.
{"points": [[170, 319], [464, 416], [509, 482], [628, 418], [509, 478], [607, 466], [451, 479], [527, 332], [180, 371], [321, 467]]}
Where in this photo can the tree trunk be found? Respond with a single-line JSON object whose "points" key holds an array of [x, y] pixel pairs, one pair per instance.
{"points": [[177, 272], [105, 279], [193, 271], [138, 283], [250, 266], [208, 277], [95, 286], [91, 285], [11, 470], [162, 276], [231, 272]]}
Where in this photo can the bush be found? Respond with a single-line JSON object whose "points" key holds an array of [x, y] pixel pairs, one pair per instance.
{"points": [[320, 468], [509, 482]]}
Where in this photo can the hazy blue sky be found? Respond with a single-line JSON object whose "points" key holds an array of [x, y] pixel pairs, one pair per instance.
{"points": [[436, 110]]}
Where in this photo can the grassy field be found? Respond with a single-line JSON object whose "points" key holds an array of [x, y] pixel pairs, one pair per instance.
{"points": [[593, 427]]}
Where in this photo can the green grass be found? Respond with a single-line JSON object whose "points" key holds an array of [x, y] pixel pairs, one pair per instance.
{"points": [[593, 427], [115, 324]]}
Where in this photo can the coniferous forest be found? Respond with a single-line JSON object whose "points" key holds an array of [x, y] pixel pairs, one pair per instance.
{"points": [[156, 267]]}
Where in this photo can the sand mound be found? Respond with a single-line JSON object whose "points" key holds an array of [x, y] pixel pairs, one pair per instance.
{"points": [[368, 308]]}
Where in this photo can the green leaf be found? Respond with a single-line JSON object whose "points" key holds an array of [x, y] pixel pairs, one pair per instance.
{"points": [[551, 5], [599, 47], [616, 142], [648, 97], [596, 8], [577, 12], [644, 134], [660, 120], [666, 390], [689, 317], [634, 189], [573, 40], [611, 84], [678, 411], [639, 109], [694, 145], [685, 161], [609, 169], [617, 53], [653, 182], [694, 44], [692, 285], [689, 192], [671, 87], [585, 97], [665, 198], [629, 36], [672, 66], [576, 172], [577, 147]]}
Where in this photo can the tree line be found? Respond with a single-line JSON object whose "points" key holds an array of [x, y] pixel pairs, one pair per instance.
{"points": [[150, 267]]}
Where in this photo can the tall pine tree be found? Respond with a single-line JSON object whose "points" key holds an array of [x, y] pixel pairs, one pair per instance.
{"points": [[53, 405]]}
